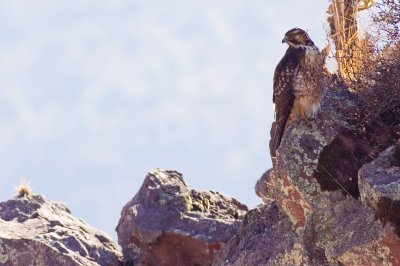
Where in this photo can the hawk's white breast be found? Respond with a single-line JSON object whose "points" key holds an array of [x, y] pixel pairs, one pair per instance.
{"points": [[307, 83]]}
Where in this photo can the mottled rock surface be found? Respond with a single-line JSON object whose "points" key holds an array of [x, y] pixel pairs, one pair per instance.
{"points": [[323, 155], [315, 156], [342, 231], [340, 215], [265, 237], [345, 231], [379, 183], [167, 223], [37, 231], [264, 185]]}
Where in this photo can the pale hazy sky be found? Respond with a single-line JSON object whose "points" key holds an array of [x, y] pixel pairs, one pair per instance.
{"points": [[94, 94]]}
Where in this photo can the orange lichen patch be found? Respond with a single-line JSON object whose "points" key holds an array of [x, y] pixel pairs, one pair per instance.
{"points": [[392, 241], [296, 210], [384, 251], [293, 203], [286, 182]]}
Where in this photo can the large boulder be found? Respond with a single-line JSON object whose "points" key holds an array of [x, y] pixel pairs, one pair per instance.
{"points": [[167, 223], [315, 156], [323, 155], [341, 216], [37, 231]]}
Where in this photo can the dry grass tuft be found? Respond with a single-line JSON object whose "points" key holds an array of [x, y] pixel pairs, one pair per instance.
{"points": [[23, 189]]}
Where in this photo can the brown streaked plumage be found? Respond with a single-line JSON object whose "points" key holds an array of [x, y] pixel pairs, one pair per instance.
{"points": [[298, 82]]}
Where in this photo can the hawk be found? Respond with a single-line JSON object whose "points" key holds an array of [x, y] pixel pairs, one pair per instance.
{"points": [[297, 84]]}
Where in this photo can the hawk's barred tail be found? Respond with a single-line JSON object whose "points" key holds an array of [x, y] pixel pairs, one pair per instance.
{"points": [[277, 130], [272, 141]]}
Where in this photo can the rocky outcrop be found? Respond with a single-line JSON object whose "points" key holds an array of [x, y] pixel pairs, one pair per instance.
{"points": [[325, 155], [315, 158], [319, 207], [334, 213], [167, 223], [332, 198], [37, 231]]}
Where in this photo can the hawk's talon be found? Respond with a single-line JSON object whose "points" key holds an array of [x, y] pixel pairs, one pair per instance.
{"points": [[304, 116]]}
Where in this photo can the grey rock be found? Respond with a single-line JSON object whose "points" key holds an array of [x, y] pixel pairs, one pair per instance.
{"points": [[314, 157], [379, 183], [265, 237], [316, 185], [341, 231], [167, 223], [266, 181], [37, 231]]}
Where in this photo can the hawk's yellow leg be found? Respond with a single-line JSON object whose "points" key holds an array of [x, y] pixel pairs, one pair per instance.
{"points": [[303, 115]]}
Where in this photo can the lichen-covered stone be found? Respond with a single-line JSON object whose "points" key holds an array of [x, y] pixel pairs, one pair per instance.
{"points": [[264, 186], [265, 237], [340, 226], [307, 161], [379, 183], [316, 183], [322, 155], [167, 223], [36, 231], [383, 251]]}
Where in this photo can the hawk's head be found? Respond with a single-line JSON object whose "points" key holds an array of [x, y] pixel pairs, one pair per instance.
{"points": [[297, 37]]}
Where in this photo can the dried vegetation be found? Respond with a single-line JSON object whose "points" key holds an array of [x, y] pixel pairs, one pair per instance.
{"points": [[368, 59]]}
